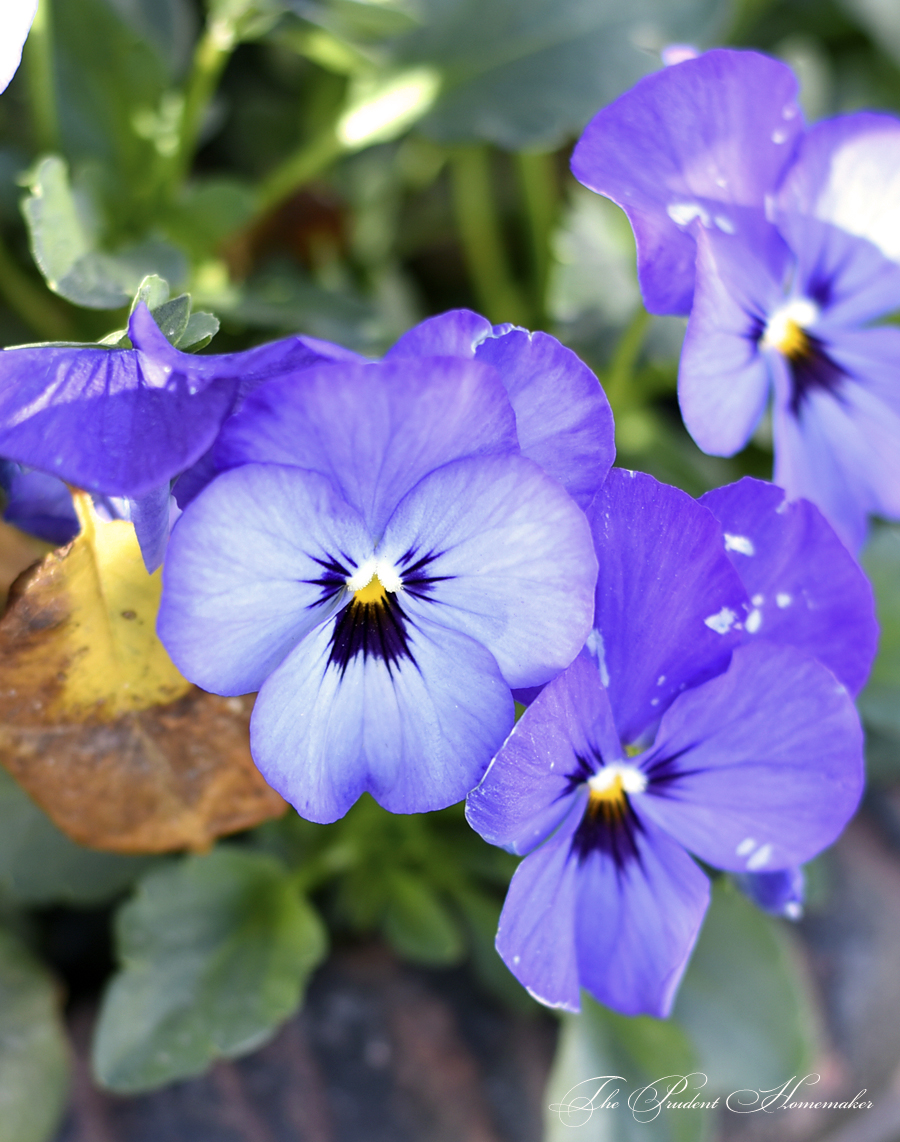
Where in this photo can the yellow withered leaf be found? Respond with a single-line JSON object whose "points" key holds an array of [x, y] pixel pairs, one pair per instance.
{"points": [[104, 652], [119, 749]]}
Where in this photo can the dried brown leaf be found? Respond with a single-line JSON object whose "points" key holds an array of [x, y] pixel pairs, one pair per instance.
{"points": [[97, 724]]}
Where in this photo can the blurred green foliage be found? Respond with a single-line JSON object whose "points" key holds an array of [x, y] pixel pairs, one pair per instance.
{"points": [[344, 168]]}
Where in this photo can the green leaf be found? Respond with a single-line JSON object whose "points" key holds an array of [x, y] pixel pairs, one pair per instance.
{"points": [[532, 73], [153, 292], [215, 951], [188, 331], [34, 1054], [199, 331], [60, 227], [206, 213], [417, 923], [879, 703], [170, 26], [40, 865], [744, 1000], [64, 243], [173, 316], [599, 1044], [111, 84]]}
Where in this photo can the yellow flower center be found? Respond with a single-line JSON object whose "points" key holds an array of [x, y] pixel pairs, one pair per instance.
{"points": [[372, 594], [609, 801], [609, 786], [786, 328]]}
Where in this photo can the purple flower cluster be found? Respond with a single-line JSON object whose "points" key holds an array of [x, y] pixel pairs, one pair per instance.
{"points": [[389, 551], [699, 719], [783, 245]]}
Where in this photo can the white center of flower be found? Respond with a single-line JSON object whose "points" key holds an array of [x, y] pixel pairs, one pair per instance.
{"points": [[381, 569], [785, 328], [615, 778]]}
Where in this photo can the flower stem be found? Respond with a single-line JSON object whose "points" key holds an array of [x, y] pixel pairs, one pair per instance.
{"points": [[211, 53], [31, 302], [478, 221], [324, 866], [620, 374], [298, 169], [537, 174], [39, 73]]}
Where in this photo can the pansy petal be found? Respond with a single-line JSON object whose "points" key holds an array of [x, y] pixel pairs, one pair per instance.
{"points": [[453, 334], [636, 923], [15, 24], [536, 933], [848, 277], [806, 589], [108, 421], [528, 789], [417, 734], [723, 378], [759, 768], [39, 504], [563, 418], [847, 172], [842, 449], [373, 430], [123, 421], [780, 893], [704, 139], [667, 600], [242, 573], [510, 557], [151, 515], [624, 932]]}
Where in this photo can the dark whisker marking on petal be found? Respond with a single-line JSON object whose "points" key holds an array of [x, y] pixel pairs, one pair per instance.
{"points": [[609, 825], [415, 580], [814, 371], [662, 769], [333, 581], [374, 630], [613, 830]]}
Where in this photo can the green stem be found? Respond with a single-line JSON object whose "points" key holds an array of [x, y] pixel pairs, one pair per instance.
{"points": [[31, 302], [746, 14], [537, 174], [298, 169], [41, 87], [323, 866], [621, 369], [212, 52], [478, 221]]}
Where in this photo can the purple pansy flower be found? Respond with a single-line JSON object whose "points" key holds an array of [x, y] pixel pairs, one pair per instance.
{"points": [[383, 564], [671, 734], [784, 248], [127, 422], [706, 139]]}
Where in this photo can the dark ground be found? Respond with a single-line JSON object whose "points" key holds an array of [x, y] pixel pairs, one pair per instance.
{"points": [[384, 1052]]}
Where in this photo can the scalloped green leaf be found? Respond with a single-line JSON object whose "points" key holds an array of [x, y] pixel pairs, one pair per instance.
{"points": [[215, 951], [34, 1053]]}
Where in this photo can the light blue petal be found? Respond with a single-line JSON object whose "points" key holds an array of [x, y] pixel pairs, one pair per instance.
{"points": [[239, 579], [514, 558], [759, 768], [417, 736], [373, 430]]}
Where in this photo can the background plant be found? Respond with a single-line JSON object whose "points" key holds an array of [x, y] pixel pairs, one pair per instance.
{"points": [[344, 168]]}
